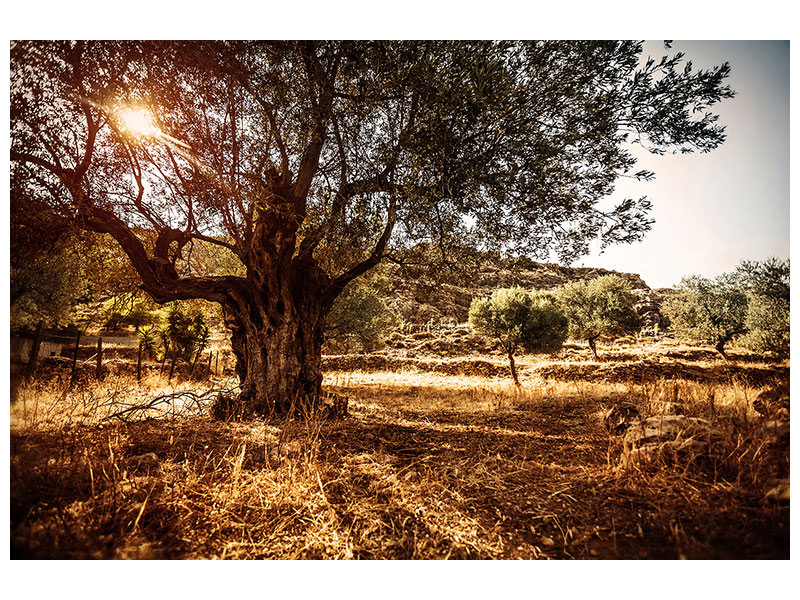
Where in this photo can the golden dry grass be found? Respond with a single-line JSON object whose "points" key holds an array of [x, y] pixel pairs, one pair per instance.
{"points": [[427, 465]]}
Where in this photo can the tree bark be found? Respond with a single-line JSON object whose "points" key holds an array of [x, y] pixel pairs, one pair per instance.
{"points": [[593, 347], [277, 342], [720, 346], [37, 343], [513, 368]]}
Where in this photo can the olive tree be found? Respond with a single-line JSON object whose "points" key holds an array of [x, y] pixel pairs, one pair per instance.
{"points": [[520, 320], [710, 310], [599, 307], [359, 314], [749, 305], [768, 293], [310, 162]]}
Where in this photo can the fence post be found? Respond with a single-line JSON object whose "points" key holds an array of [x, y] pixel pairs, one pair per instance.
{"points": [[216, 364], [164, 360], [139, 363], [210, 356], [74, 371], [172, 365], [37, 342], [99, 372]]}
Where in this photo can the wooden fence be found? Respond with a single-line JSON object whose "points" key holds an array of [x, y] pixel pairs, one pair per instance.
{"points": [[29, 348]]}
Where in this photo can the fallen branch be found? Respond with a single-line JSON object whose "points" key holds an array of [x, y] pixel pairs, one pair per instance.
{"points": [[188, 400]]}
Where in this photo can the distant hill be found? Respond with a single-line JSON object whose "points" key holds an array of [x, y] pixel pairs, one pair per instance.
{"points": [[443, 296]]}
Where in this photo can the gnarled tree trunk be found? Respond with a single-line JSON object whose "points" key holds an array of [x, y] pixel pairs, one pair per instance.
{"points": [[276, 336], [279, 363]]}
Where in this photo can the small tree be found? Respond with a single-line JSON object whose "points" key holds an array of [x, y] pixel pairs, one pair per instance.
{"points": [[148, 341], [767, 320], [200, 338], [598, 308], [184, 335], [711, 310], [359, 315], [517, 319]]}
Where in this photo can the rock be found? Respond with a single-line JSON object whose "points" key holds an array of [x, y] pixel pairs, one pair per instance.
{"points": [[546, 541], [776, 432], [778, 490], [143, 462], [773, 402], [667, 439], [666, 452], [667, 428], [620, 417]]}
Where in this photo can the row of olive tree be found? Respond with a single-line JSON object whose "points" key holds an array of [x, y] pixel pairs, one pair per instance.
{"points": [[541, 321], [749, 305]]}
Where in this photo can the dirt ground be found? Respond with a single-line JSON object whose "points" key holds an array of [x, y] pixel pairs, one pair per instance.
{"points": [[427, 464]]}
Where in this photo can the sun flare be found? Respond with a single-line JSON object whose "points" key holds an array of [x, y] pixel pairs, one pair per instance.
{"points": [[137, 122]]}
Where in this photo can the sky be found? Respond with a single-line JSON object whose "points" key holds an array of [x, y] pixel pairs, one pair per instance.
{"points": [[714, 210]]}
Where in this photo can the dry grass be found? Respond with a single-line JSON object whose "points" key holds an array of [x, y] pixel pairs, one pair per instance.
{"points": [[427, 465]]}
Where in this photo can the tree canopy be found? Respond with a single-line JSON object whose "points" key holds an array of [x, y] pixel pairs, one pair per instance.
{"points": [[518, 319], [749, 305], [599, 307], [310, 162], [768, 306], [711, 310]]}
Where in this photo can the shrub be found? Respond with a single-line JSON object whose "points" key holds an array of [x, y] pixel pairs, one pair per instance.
{"points": [[750, 305], [600, 307], [517, 319], [359, 317], [184, 334], [148, 341], [767, 318]]}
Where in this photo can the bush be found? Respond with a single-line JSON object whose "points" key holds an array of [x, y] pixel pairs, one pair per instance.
{"points": [[359, 318], [600, 307], [750, 305], [185, 334], [517, 319], [767, 319]]}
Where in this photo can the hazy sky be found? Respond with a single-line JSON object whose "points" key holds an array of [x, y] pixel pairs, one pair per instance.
{"points": [[714, 210]]}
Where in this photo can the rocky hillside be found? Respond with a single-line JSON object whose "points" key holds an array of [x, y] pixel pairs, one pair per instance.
{"points": [[444, 296]]}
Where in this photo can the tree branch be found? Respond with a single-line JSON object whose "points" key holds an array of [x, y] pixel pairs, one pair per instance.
{"points": [[377, 254]]}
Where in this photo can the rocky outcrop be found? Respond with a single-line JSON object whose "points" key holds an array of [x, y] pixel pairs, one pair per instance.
{"points": [[777, 491], [656, 370], [382, 362], [143, 462], [621, 417], [667, 439], [773, 402], [438, 296]]}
